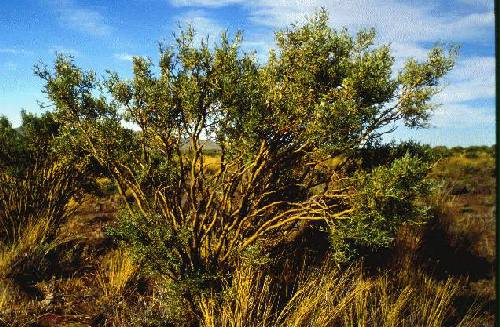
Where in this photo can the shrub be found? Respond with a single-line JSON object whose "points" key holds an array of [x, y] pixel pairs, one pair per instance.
{"points": [[323, 94]]}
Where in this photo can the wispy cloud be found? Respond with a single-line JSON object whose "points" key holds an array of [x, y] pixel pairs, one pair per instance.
{"points": [[64, 50], [9, 66], [124, 56], [260, 44], [202, 24], [469, 84], [85, 20], [472, 79], [394, 20], [462, 115], [488, 4], [15, 51], [404, 24]]}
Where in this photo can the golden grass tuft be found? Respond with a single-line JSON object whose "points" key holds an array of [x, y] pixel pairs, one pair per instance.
{"points": [[211, 163], [116, 271], [331, 297], [249, 301], [26, 244], [4, 296]]}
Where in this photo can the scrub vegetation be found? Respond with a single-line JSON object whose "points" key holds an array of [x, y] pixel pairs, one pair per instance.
{"points": [[247, 194]]}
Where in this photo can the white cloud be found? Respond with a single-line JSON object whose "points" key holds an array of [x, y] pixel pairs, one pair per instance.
{"points": [[403, 50], [64, 50], [14, 51], [9, 66], [84, 20], [405, 25], [9, 50], [472, 79], [124, 56], [462, 115], [395, 21], [466, 91], [475, 66], [261, 44], [488, 4], [202, 24]]}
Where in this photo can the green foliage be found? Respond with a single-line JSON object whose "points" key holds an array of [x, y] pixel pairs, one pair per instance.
{"points": [[386, 197], [419, 82], [28, 145], [11, 151], [471, 152], [441, 151], [375, 155], [153, 242], [232, 169]]}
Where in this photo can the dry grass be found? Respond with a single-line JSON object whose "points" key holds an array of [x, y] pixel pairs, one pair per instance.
{"points": [[5, 297], [30, 241], [464, 205], [331, 297], [116, 271], [42, 194], [323, 298], [249, 301], [211, 163]]}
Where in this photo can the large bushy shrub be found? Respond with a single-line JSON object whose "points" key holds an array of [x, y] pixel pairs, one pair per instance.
{"points": [[323, 95]]}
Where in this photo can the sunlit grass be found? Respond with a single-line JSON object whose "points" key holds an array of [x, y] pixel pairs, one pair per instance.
{"points": [[116, 270], [4, 296], [29, 241], [331, 297]]}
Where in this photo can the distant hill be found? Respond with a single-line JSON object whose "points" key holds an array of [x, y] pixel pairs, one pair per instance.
{"points": [[208, 146]]}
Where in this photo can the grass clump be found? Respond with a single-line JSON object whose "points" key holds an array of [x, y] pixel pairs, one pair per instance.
{"points": [[329, 296], [116, 271]]}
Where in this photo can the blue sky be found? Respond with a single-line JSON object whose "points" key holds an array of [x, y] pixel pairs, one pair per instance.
{"points": [[106, 34]]}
